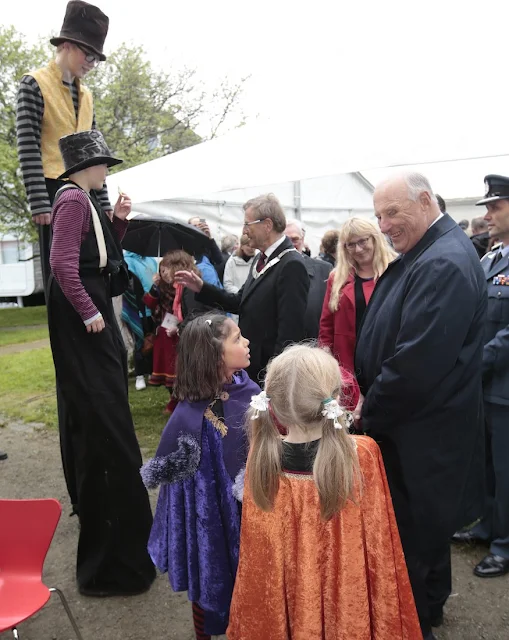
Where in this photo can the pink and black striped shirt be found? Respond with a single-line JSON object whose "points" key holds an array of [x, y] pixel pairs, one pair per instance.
{"points": [[71, 219]]}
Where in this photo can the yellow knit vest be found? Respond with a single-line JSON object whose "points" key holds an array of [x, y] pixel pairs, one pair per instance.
{"points": [[59, 117]]}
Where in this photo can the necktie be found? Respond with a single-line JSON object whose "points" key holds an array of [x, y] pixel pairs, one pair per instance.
{"points": [[496, 259], [261, 262]]}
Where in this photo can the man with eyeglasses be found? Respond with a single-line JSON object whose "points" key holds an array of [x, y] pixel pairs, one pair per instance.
{"points": [[272, 303], [53, 103]]}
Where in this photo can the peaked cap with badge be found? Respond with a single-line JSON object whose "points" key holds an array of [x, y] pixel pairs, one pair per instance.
{"points": [[497, 188]]}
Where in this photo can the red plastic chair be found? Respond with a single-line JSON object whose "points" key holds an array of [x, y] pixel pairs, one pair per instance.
{"points": [[26, 531]]}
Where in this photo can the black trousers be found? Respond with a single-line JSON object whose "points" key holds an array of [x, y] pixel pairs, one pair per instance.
{"points": [[52, 186], [494, 526], [428, 562], [102, 451], [431, 580]]}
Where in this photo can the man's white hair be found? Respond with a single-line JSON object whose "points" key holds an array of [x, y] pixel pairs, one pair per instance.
{"points": [[416, 184], [298, 224]]}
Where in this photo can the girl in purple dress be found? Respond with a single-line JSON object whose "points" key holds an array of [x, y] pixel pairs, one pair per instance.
{"points": [[202, 453]]}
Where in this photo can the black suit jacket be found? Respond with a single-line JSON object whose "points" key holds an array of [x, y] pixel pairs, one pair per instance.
{"points": [[318, 272], [271, 308], [419, 364]]}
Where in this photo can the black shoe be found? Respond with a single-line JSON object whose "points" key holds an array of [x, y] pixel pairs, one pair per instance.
{"points": [[467, 537], [437, 621], [492, 566], [3, 455]]}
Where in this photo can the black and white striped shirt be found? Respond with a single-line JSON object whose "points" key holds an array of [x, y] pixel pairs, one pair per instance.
{"points": [[29, 113]]}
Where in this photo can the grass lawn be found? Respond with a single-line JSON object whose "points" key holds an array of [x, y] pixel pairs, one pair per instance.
{"points": [[19, 317], [22, 335], [27, 392]]}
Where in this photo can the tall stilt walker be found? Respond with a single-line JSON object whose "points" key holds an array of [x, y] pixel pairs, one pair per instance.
{"points": [[89, 355], [52, 102]]}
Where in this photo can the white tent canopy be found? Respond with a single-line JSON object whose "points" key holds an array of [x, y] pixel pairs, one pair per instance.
{"points": [[282, 157], [454, 180], [320, 204], [271, 153]]}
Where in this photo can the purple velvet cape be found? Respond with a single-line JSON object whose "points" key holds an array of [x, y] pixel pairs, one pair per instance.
{"points": [[196, 532]]}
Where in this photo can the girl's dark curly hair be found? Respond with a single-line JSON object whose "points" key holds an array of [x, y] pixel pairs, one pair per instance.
{"points": [[200, 367]]}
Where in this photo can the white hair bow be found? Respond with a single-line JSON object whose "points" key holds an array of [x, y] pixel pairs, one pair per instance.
{"points": [[260, 403], [332, 411]]}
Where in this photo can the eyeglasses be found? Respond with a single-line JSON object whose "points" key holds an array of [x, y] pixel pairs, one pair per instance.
{"points": [[248, 224], [362, 244], [89, 56]]}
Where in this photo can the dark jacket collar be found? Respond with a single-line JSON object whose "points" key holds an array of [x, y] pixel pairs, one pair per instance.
{"points": [[440, 228]]}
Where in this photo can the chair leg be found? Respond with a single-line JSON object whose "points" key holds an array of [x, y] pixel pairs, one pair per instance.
{"points": [[68, 611], [15, 633]]}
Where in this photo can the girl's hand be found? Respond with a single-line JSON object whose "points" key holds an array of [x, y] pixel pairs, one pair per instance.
{"points": [[189, 279], [171, 332], [156, 279], [357, 414]]}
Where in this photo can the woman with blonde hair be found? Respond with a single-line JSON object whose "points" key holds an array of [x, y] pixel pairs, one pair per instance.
{"points": [[362, 256], [320, 554]]}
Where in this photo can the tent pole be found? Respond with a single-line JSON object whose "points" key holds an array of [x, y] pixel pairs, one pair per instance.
{"points": [[297, 200]]}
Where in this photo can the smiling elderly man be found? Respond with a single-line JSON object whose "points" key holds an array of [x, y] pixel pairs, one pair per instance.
{"points": [[419, 364]]}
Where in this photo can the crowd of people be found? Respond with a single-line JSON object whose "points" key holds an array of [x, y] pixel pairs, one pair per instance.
{"points": [[334, 421]]}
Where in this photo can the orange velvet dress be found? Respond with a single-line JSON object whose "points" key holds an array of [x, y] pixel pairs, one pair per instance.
{"points": [[301, 578]]}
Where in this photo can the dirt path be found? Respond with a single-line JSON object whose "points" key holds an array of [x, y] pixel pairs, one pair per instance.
{"points": [[24, 327], [33, 470], [477, 610], [23, 346]]}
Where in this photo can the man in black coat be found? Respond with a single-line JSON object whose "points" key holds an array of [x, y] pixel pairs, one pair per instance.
{"points": [[480, 236], [318, 272], [272, 303], [419, 366], [494, 526]]}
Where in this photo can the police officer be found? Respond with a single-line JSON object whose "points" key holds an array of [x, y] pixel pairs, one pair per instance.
{"points": [[494, 527]]}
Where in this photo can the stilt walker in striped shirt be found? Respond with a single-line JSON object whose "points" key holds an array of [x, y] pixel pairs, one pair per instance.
{"points": [[52, 103]]}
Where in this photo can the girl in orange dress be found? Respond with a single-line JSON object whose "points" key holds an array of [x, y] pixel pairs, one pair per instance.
{"points": [[320, 554]]}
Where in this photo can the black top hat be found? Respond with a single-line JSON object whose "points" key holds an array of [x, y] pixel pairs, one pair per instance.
{"points": [[84, 24], [84, 149], [497, 188]]}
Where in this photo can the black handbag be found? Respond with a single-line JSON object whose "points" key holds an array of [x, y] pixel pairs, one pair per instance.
{"points": [[119, 277]]}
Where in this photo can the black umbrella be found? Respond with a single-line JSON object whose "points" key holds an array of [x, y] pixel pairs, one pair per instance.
{"points": [[154, 235]]}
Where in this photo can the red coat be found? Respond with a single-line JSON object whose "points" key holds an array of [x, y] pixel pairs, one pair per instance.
{"points": [[337, 330], [165, 351]]}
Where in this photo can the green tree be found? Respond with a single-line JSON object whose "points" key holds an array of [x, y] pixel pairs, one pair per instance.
{"points": [[144, 113], [17, 58]]}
